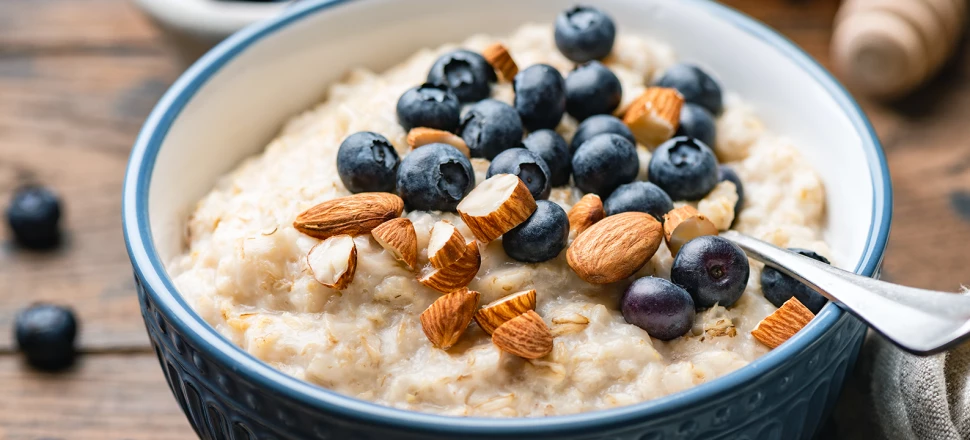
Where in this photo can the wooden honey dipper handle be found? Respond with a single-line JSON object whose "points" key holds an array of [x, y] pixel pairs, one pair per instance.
{"points": [[886, 48]]}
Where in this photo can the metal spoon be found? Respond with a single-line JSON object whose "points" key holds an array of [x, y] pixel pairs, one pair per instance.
{"points": [[920, 321]]}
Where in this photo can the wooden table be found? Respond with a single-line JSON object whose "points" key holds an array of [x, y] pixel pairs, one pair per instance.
{"points": [[78, 77]]}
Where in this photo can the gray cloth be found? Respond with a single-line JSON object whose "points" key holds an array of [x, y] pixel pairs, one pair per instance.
{"points": [[893, 395], [920, 398]]}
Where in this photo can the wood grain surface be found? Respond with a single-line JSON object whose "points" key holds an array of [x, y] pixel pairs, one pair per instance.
{"points": [[78, 77]]}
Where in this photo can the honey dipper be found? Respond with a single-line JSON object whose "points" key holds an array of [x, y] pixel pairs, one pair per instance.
{"points": [[886, 48]]}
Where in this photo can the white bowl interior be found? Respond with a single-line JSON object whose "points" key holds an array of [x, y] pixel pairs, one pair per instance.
{"points": [[237, 111]]}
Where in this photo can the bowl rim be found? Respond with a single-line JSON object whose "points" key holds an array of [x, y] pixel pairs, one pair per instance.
{"points": [[150, 269]]}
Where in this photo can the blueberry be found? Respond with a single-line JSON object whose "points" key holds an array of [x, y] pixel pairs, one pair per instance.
{"points": [[697, 122], [599, 124], [727, 173], [683, 167], [778, 287], [695, 84], [541, 237], [584, 33], [712, 269], [592, 89], [434, 177], [45, 335], [552, 148], [465, 73], [640, 197], [428, 105], [540, 96], [603, 163], [367, 162], [490, 127], [663, 309], [33, 216], [528, 166]]}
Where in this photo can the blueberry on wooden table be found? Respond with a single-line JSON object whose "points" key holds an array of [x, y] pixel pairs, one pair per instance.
{"points": [[540, 96], [552, 148], [467, 74], [45, 334], [34, 216], [599, 124], [584, 33], [663, 309], [778, 287], [640, 197], [367, 162], [541, 237], [490, 127], [696, 85], [726, 173], [434, 177], [592, 89], [697, 122], [684, 168], [603, 163], [528, 166], [712, 269], [428, 105]]}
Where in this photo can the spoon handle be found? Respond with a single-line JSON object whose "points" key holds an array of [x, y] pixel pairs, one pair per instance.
{"points": [[920, 321]]}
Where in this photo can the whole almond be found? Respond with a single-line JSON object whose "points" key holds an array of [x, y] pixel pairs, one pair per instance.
{"points": [[654, 116], [585, 212], [398, 237], [447, 318], [497, 205], [615, 248], [526, 336], [421, 136], [685, 224], [783, 323], [457, 274], [333, 262], [446, 245], [500, 59], [498, 312], [352, 215]]}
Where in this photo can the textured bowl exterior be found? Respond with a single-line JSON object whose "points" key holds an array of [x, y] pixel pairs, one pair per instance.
{"points": [[228, 394], [783, 404]]}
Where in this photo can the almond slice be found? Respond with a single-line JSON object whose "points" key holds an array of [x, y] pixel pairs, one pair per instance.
{"points": [[421, 136], [615, 248], [500, 59], [782, 323], [498, 312], [447, 318], [654, 116], [526, 336], [333, 262], [585, 212], [497, 205], [446, 246], [685, 224], [455, 275], [352, 215], [398, 237]]}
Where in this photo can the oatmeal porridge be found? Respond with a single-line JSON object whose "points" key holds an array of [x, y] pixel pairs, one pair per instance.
{"points": [[245, 266]]}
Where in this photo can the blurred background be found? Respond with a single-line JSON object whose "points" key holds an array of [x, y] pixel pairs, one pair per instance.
{"points": [[78, 77]]}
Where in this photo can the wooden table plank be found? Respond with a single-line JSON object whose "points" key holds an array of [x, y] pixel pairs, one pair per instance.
{"points": [[105, 397], [68, 117]]}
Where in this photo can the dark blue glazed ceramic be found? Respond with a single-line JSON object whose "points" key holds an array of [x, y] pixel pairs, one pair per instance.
{"points": [[228, 394]]}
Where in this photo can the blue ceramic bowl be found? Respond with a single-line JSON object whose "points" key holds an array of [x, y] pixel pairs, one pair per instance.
{"points": [[232, 101]]}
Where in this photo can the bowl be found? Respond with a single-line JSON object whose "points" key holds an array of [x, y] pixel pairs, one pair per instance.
{"points": [[230, 103], [194, 26]]}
